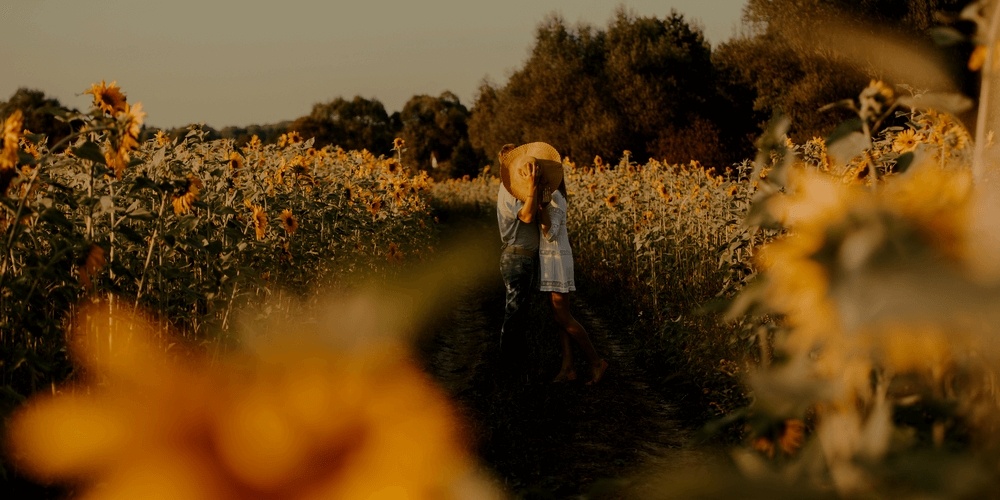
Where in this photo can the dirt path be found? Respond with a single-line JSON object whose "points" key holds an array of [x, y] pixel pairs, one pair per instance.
{"points": [[545, 440]]}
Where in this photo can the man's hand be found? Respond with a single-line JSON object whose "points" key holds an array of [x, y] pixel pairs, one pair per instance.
{"points": [[527, 212], [533, 174]]}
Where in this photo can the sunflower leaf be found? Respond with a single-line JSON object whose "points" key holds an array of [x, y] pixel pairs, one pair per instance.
{"points": [[904, 161], [90, 151], [843, 130], [951, 102]]}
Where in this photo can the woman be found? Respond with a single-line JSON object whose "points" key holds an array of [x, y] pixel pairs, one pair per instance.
{"points": [[556, 276]]}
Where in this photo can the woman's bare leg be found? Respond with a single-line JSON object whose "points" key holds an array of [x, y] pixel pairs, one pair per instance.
{"points": [[566, 371], [573, 329]]}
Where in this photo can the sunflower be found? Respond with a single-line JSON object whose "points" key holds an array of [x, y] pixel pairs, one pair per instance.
{"points": [[375, 206], [253, 144], [287, 139], [108, 98], [663, 191], [11, 136], [298, 419], [815, 153], [162, 139], [288, 221], [31, 148], [259, 221], [598, 161], [905, 141], [398, 143], [235, 161], [183, 202], [611, 200], [130, 121]]}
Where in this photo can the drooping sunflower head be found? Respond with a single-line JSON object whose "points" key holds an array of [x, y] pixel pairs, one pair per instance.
{"points": [[130, 122], [259, 221], [183, 201], [108, 98]]}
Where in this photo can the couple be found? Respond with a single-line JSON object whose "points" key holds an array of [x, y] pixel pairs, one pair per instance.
{"points": [[531, 213]]}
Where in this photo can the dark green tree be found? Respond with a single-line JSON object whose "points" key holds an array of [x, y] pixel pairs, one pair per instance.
{"points": [[787, 62], [42, 115], [662, 80], [646, 85], [436, 133], [353, 125], [559, 97]]}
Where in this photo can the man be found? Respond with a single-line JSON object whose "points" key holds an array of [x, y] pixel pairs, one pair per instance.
{"points": [[527, 172]]}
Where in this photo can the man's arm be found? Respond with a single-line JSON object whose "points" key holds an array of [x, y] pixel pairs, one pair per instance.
{"points": [[527, 212]]}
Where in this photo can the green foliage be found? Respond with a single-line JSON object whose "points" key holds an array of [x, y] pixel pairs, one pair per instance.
{"points": [[353, 125], [438, 128], [42, 115], [192, 232], [644, 84], [790, 65]]}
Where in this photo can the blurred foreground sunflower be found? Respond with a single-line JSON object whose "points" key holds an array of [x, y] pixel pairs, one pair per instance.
{"points": [[298, 419]]}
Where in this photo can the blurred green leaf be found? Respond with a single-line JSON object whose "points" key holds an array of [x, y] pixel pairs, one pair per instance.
{"points": [[131, 234], [143, 182], [90, 151], [843, 130], [904, 161], [946, 36], [224, 210], [950, 102], [55, 216], [847, 147]]}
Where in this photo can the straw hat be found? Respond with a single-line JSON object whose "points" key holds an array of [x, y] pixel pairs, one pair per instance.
{"points": [[514, 168]]}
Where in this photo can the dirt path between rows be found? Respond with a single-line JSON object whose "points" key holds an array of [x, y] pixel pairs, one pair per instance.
{"points": [[555, 440]]}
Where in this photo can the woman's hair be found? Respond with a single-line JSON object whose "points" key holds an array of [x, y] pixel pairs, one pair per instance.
{"points": [[562, 187]]}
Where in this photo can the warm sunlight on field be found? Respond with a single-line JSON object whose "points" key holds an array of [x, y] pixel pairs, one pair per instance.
{"points": [[193, 318]]}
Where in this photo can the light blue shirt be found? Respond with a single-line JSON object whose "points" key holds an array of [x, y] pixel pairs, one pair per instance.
{"points": [[514, 231]]}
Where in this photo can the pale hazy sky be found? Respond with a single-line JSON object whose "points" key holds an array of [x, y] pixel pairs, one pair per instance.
{"points": [[241, 63]]}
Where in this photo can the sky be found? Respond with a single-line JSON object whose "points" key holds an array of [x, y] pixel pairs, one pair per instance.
{"points": [[240, 63]]}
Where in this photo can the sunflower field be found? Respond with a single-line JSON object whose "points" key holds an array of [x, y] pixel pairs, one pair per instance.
{"points": [[187, 230], [832, 304]]}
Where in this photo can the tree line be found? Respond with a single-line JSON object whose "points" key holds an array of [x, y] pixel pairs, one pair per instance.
{"points": [[651, 86]]}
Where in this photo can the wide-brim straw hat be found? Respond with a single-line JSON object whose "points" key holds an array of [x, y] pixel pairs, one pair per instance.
{"points": [[514, 168]]}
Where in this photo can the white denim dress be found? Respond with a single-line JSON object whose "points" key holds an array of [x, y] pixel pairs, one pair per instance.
{"points": [[554, 253]]}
